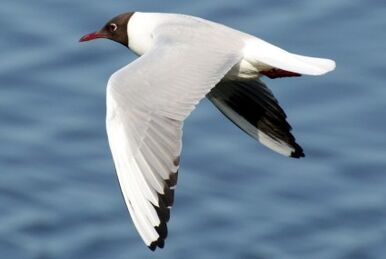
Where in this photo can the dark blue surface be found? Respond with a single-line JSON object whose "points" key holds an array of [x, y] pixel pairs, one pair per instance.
{"points": [[59, 196]]}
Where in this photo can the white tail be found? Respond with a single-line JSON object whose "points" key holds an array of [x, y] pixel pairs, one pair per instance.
{"points": [[264, 55]]}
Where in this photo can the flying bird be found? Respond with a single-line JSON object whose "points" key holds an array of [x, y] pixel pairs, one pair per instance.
{"points": [[182, 60]]}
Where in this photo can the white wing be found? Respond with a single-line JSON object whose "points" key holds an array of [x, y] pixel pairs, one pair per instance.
{"points": [[147, 102]]}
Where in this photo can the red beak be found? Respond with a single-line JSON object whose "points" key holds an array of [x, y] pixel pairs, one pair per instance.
{"points": [[92, 36]]}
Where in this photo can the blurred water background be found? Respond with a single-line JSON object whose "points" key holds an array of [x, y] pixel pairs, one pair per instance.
{"points": [[59, 196]]}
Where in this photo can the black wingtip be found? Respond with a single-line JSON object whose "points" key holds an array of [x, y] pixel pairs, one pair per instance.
{"points": [[298, 153], [152, 246], [162, 229], [158, 243]]}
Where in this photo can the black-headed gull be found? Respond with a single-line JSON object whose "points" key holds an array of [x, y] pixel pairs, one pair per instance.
{"points": [[183, 59]]}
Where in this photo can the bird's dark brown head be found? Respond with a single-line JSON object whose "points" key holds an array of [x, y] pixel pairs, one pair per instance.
{"points": [[115, 29]]}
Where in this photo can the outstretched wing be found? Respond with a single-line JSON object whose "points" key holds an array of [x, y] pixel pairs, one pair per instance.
{"points": [[253, 108], [147, 102]]}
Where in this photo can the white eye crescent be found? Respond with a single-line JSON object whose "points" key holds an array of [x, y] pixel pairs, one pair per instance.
{"points": [[113, 27]]}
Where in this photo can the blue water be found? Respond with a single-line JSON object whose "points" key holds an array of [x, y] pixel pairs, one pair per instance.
{"points": [[59, 196]]}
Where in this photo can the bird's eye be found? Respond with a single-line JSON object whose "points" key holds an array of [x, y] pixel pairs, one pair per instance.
{"points": [[113, 27]]}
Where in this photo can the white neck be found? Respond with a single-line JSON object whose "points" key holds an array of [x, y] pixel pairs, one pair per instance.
{"points": [[140, 31]]}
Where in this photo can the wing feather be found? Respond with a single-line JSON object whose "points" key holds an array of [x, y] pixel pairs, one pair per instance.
{"points": [[147, 102], [254, 109]]}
